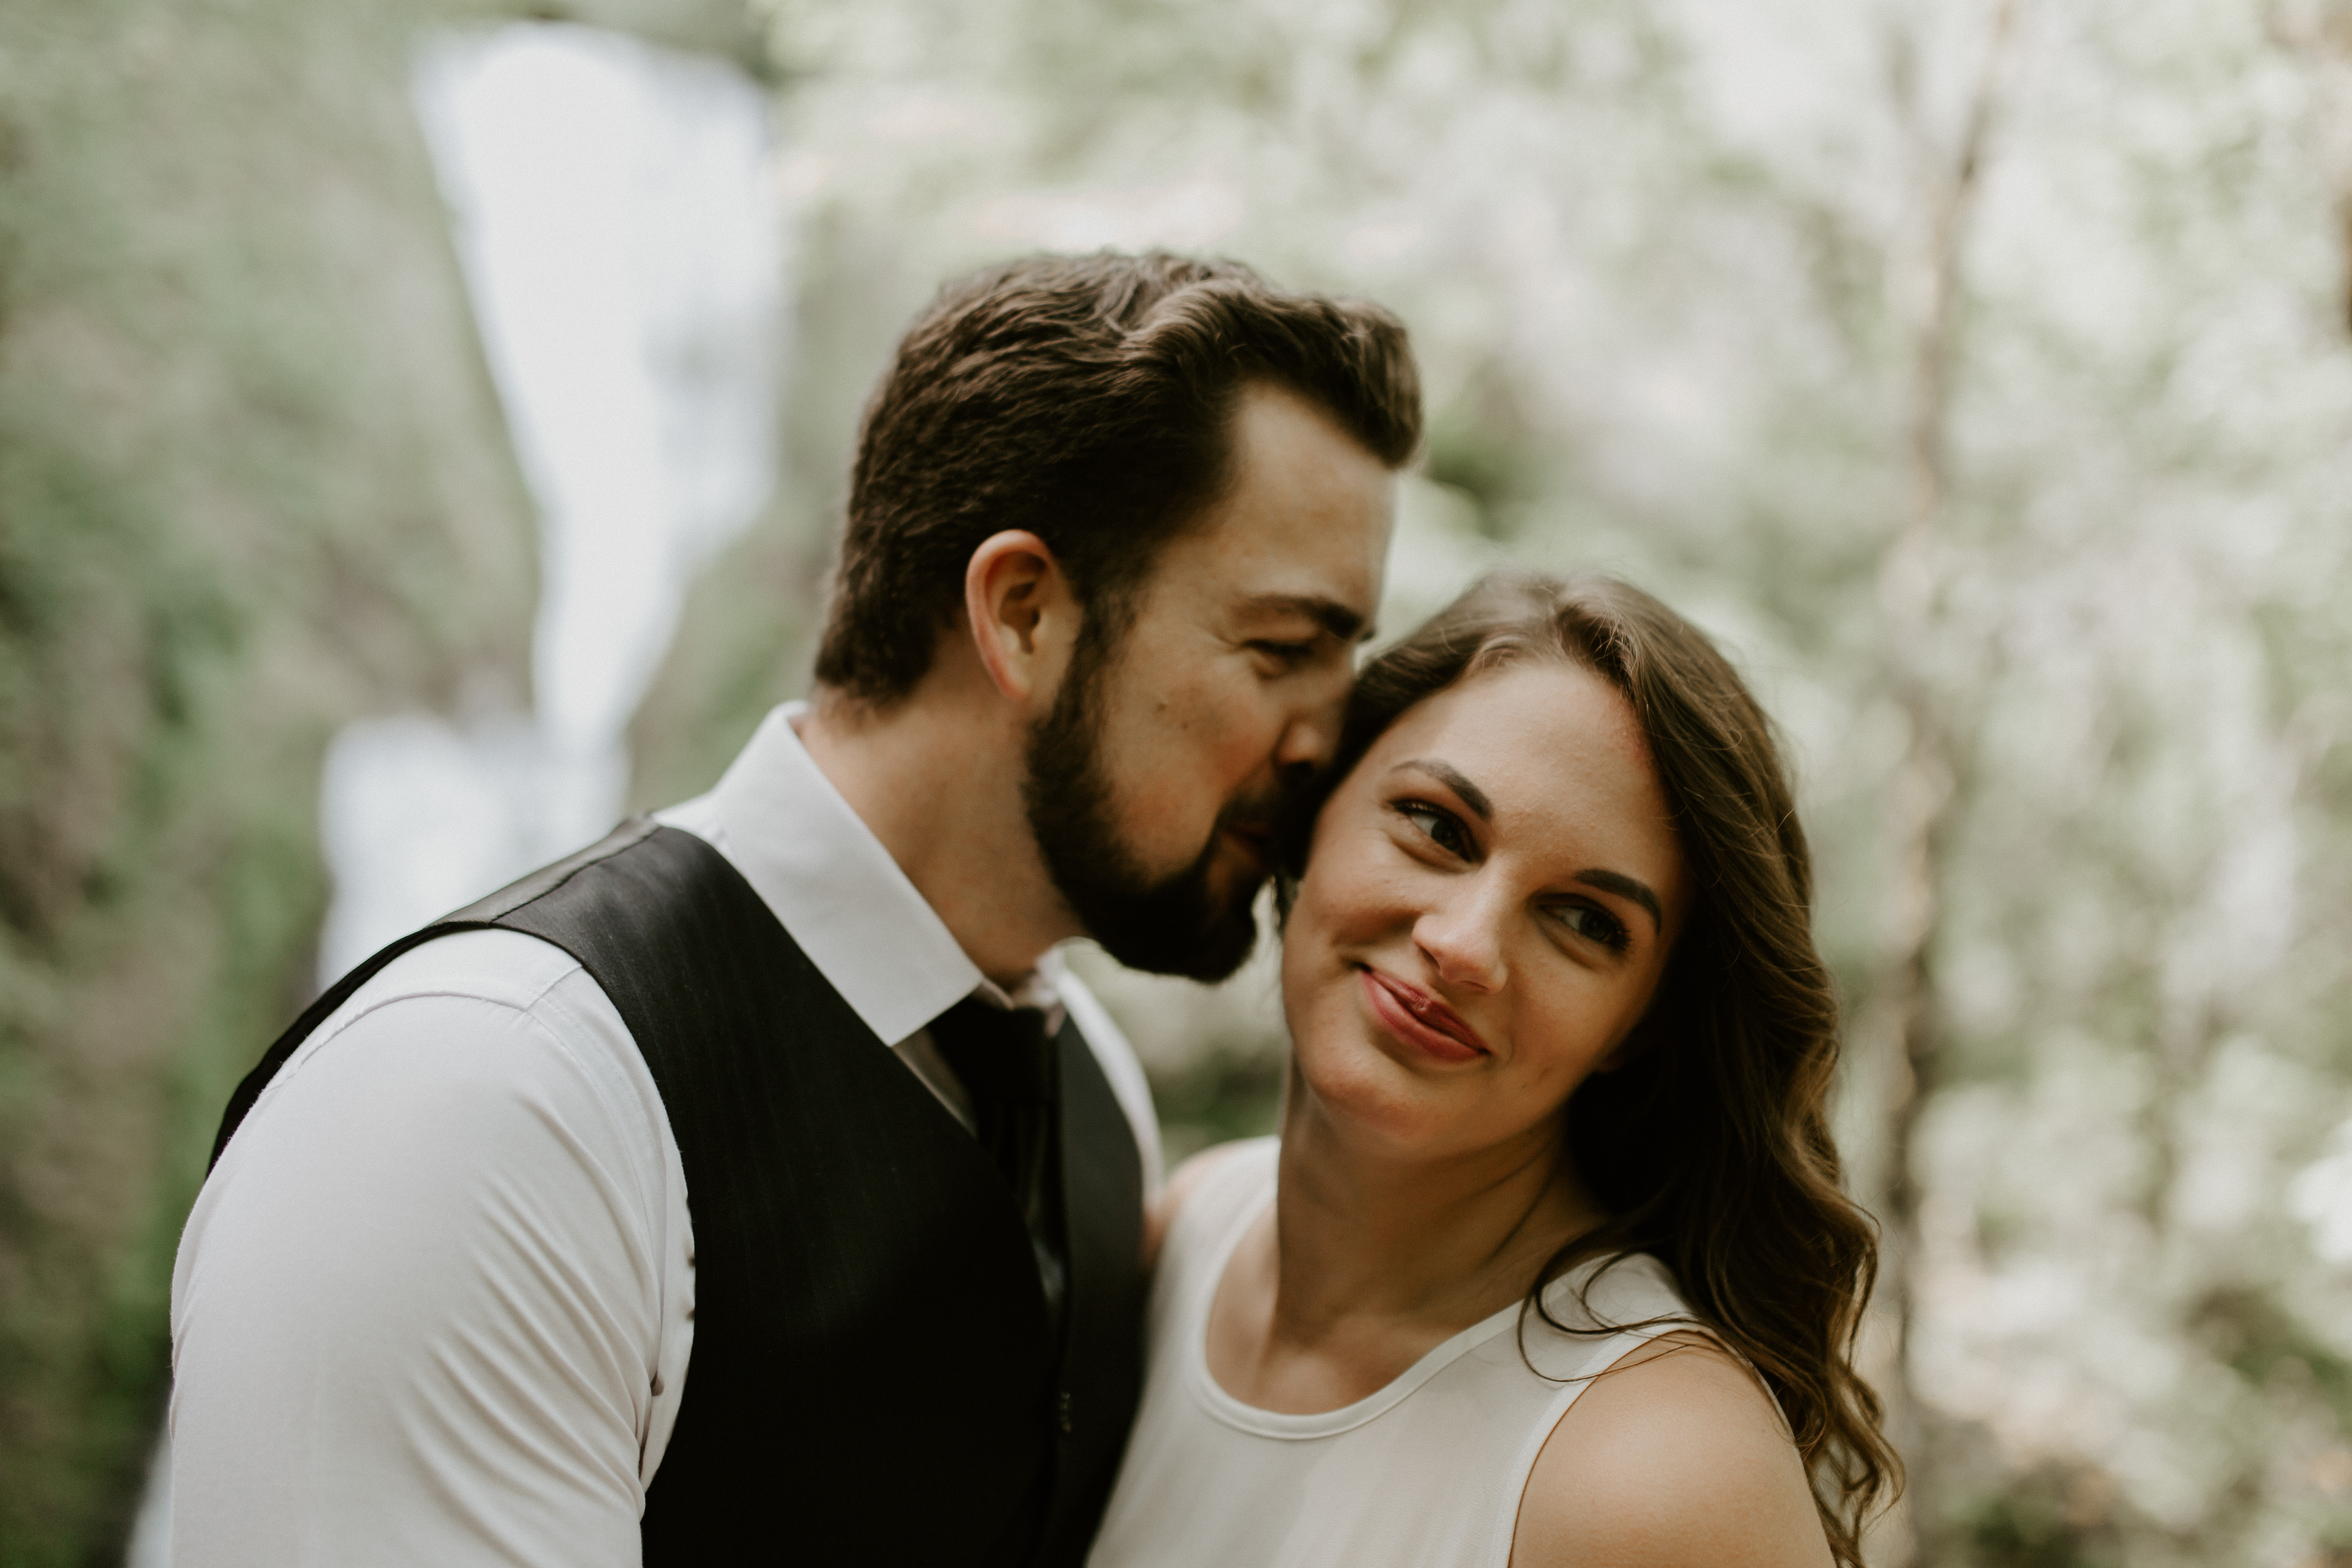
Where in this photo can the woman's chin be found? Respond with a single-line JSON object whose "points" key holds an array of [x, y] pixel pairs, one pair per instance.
{"points": [[1373, 1097]]}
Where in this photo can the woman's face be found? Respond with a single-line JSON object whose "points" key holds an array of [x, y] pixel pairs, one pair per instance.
{"points": [[1487, 906]]}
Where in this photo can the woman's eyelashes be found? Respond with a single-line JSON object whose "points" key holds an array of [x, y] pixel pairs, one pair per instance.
{"points": [[1445, 832], [1440, 827], [1594, 923]]}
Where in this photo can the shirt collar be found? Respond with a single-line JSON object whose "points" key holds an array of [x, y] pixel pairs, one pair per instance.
{"points": [[822, 872]]}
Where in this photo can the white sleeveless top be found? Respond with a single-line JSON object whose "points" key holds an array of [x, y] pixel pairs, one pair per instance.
{"points": [[1425, 1473]]}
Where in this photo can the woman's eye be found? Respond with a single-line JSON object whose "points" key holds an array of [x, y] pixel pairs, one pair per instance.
{"points": [[1594, 923], [1440, 826]]}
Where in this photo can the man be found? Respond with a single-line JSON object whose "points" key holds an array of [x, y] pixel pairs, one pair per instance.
{"points": [[757, 1172]]}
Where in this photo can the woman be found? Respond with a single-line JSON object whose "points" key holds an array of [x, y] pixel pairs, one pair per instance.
{"points": [[1560, 1047]]}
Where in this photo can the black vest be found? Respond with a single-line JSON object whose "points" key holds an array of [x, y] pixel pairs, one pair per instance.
{"points": [[872, 1378]]}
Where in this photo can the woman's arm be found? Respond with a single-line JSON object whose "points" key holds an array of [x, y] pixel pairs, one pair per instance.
{"points": [[1675, 1457]]}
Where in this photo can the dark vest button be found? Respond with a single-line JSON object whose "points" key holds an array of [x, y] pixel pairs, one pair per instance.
{"points": [[1062, 1411]]}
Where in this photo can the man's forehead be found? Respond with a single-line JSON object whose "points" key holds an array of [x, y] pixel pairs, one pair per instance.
{"points": [[1302, 528], [1282, 585], [1319, 560]]}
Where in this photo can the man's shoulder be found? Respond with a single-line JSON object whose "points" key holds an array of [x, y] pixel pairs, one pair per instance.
{"points": [[507, 968], [506, 1010], [451, 1209], [487, 1049], [500, 1010]]}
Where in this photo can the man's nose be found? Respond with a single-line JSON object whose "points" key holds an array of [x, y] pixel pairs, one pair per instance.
{"points": [[1312, 735]]}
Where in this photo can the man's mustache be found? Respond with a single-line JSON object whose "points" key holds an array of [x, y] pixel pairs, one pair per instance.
{"points": [[1260, 812]]}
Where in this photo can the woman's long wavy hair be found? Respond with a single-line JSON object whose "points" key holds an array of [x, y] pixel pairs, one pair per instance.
{"points": [[1710, 1146]]}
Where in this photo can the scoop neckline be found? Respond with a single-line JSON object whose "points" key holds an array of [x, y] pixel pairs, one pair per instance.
{"points": [[1246, 1417]]}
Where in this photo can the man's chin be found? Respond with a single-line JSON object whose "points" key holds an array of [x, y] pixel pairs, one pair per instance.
{"points": [[1148, 934], [1211, 956]]}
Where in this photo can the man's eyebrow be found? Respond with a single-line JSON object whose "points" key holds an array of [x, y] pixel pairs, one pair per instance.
{"points": [[1451, 777], [1626, 886], [1333, 616]]}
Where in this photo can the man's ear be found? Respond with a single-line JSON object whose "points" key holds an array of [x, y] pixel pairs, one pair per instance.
{"points": [[1023, 614]]}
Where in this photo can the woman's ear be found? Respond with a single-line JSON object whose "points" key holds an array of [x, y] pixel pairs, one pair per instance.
{"points": [[1022, 614]]}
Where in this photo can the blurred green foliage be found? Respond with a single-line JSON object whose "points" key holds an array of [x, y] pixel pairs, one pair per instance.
{"points": [[252, 482]]}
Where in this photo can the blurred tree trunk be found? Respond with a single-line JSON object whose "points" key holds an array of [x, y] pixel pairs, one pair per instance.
{"points": [[1903, 1004]]}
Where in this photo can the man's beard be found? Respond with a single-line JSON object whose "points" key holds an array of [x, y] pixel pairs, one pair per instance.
{"points": [[1171, 925]]}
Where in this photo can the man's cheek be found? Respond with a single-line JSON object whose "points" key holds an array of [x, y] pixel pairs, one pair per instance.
{"points": [[1166, 807], [1239, 748]]}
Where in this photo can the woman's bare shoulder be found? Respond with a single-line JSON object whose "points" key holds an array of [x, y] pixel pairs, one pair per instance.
{"points": [[1675, 1458], [1182, 1182]]}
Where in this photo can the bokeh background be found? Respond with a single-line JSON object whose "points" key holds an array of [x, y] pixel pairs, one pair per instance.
{"points": [[1978, 371]]}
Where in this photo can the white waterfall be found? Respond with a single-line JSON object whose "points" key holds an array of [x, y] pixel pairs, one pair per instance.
{"points": [[614, 212]]}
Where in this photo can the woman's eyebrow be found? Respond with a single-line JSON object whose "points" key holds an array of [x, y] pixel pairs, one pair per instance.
{"points": [[1626, 886], [1474, 797], [1451, 777]]}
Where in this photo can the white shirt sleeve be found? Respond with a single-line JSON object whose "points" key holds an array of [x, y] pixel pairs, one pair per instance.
{"points": [[435, 1304]]}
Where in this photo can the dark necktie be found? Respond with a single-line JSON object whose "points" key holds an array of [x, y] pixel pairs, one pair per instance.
{"points": [[1010, 1068]]}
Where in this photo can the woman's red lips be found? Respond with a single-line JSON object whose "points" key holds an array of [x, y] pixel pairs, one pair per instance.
{"points": [[1420, 1018]]}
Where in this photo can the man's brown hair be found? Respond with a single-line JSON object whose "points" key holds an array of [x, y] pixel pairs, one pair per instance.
{"points": [[1089, 400]]}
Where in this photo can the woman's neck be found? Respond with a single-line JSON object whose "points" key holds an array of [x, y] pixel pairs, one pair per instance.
{"points": [[1361, 1230], [1375, 1259]]}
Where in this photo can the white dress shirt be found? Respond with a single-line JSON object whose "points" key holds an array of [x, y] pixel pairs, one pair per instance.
{"points": [[435, 1303]]}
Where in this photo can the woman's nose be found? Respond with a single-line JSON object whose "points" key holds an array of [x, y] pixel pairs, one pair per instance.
{"points": [[1462, 937]]}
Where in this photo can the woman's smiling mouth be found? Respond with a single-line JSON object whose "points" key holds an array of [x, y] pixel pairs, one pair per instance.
{"points": [[1419, 1019]]}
